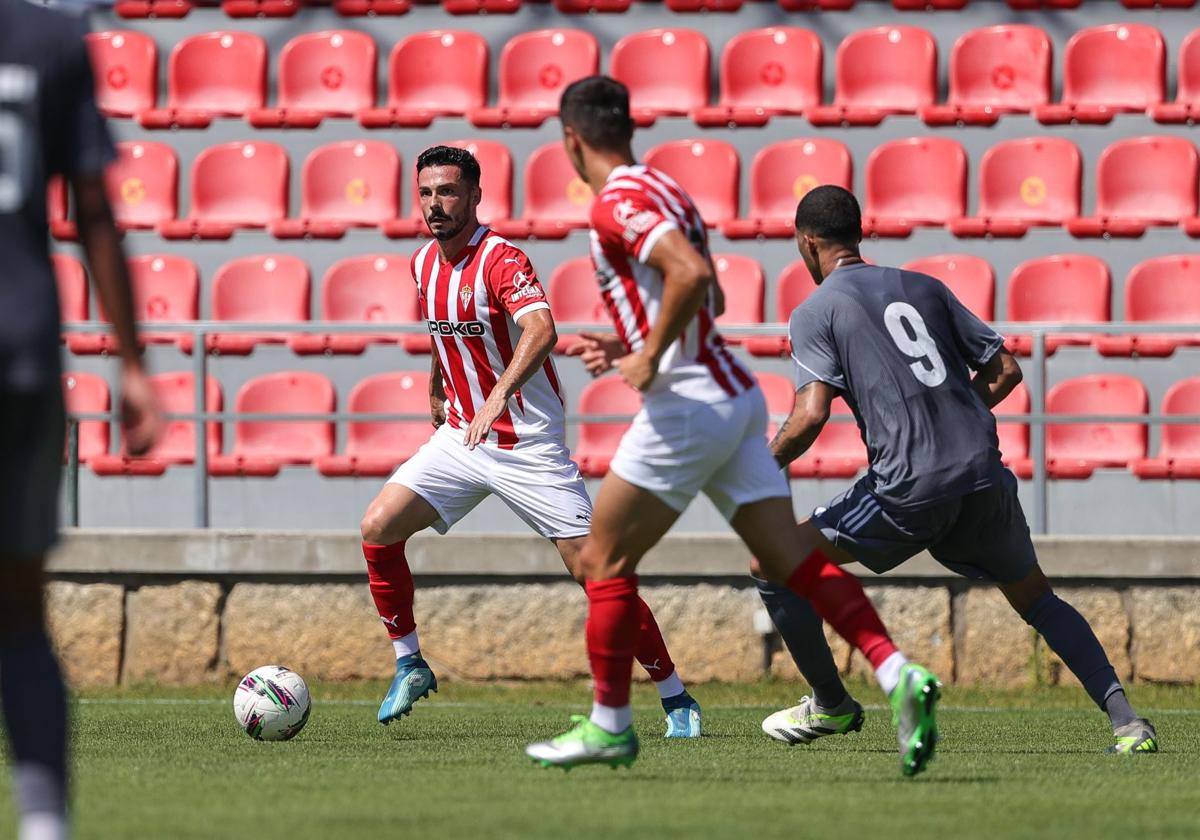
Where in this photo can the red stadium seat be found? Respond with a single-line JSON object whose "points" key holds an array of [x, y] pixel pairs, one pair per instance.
{"points": [[234, 185], [1024, 183], [71, 280], [598, 441], [1070, 288], [377, 448], [214, 74], [166, 288], [260, 8], [87, 393], [666, 71], [765, 73], [271, 287], [575, 298], [928, 5], [125, 64], [1142, 181], [56, 209], [1014, 437], [1179, 452], [1106, 70], [260, 448], [143, 185], [495, 161], [1044, 4], [167, 9], [881, 71], [481, 7], [912, 182], [1164, 290], [707, 170], [535, 67], [838, 452], [970, 278], [352, 183], [1158, 4], [557, 200], [782, 174], [995, 70], [321, 74], [703, 5], [1186, 107], [416, 96], [1078, 449], [376, 288], [744, 285], [811, 5], [792, 288], [580, 7], [371, 8], [176, 393]]}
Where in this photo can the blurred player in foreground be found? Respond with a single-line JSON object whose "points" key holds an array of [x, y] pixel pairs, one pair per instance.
{"points": [[898, 347]]}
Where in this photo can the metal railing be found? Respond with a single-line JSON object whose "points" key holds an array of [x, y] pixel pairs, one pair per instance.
{"points": [[1037, 418]]}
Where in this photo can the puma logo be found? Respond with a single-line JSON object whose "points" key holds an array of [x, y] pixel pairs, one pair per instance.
{"points": [[391, 622], [653, 667]]}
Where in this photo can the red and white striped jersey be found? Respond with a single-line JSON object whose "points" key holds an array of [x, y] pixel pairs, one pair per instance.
{"points": [[472, 304], [636, 207]]}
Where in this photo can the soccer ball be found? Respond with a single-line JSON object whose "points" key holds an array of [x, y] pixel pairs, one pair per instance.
{"points": [[271, 703]]}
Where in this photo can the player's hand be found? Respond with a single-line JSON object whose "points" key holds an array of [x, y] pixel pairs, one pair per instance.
{"points": [[141, 420], [437, 410], [638, 369], [488, 413], [597, 351]]}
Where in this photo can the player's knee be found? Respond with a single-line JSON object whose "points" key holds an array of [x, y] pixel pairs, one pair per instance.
{"points": [[756, 569], [377, 527]]}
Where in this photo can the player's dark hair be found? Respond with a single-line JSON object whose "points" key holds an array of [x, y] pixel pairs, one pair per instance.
{"points": [[451, 156], [598, 108], [830, 213]]}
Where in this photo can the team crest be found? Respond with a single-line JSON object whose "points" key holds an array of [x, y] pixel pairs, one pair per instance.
{"points": [[465, 294]]}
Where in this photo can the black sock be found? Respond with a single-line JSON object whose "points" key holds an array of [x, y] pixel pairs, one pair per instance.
{"points": [[35, 713], [800, 627]]}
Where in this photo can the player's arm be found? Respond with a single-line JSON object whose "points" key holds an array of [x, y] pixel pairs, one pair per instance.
{"points": [[996, 378], [437, 393], [808, 417], [538, 338]]}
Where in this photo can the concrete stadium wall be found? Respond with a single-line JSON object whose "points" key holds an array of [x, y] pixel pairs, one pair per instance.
{"points": [[199, 607]]}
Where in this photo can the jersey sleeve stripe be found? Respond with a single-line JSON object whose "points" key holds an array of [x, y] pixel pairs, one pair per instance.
{"points": [[531, 307], [658, 232]]}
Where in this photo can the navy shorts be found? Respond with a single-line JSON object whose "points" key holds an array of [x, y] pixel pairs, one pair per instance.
{"points": [[31, 451], [982, 535]]}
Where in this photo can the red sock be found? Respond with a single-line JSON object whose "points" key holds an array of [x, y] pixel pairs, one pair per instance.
{"points": [[651, 650], [838, 597], [391, 587], [612, 633]]}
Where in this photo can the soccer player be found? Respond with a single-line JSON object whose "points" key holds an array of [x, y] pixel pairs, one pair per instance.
{"points": [[497, 406], [48, 125], [897, 346], [702, 428]]}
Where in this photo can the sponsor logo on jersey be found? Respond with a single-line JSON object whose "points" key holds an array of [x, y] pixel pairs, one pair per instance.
{"points": [[465, 294], [453, 328], [526, 287], [636, 222]]}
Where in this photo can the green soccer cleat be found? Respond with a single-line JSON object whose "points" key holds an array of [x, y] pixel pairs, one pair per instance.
{"points": [[585, 743], [413, 681], [914, 714], [803, 723], [1134, 738]]}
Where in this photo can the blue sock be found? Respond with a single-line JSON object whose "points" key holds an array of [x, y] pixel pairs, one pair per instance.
{"points": [[413, 660], [679, 701], [35, 714], [800, 627]]}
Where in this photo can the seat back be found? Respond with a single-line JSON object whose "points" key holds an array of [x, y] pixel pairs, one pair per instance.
{"points": [[607, 395], [125, 65], [1102, 443], [1006, 67], [370, 287], [223, 73], [352, 181], [1014, 437], [331, 72], [707, 170], [1164, 289], [1035, 180], [1065, 287], [403, 392], [970, 278], [776, 67], [71, 279], [921, 179], [240, 183], [458, 86], [535, 67], [143, 183], [1122, 65], [784, 172], [664, 69], [268, 287], [793, 287], [495, 163], [1187, 75], [166, 287], [286, 392], [1182, 441], [743, 283], [553, 190], [176, 393], [890, 67], [574, 293], [1149, 178], [87, 393]]}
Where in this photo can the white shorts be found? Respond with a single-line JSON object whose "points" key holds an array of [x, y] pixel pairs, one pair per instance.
{"points": [[538, 481], [678, 447]]}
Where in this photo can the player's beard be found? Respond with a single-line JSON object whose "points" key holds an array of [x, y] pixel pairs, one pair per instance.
{"points": [[451, 228]]}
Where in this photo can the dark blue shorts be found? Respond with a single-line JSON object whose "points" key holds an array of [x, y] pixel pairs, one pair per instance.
{"points": [[982, 535], [31, 451]]}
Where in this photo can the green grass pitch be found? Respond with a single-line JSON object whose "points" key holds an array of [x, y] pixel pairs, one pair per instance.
{"points": [[156, 763]]}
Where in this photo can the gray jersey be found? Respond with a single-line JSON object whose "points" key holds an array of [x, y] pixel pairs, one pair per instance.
{"points": [[48, 125], [898, 346]]}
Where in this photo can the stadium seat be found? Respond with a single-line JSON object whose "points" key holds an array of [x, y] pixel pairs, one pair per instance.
{"points": [[815, 5], [496, 164], [1014, 437], [744, 285], [666, 71], [929, 5], [535, 67], [970, 278], [1069, 288], [416, 96], [703, 5], [780, 175], [881, 71], [371, 8], [166, 9], [481, 7], [766, 73], [1158, 4], [176, 393], [125, 64], [234, 185], [213, 74], [598, 441], [261, 8], [376, 288], [580, 7], [1164, 290], [557, 200], [1024, 5], [260, 448], [575, 298], [792, 288], [912, 182], [1078, 449], [1179, 452], [1025, 183], [87, 393], [376, 448], [352, 183], [71, 279], [321, 74], [1107, 70], [707, 170], [1186, 107], [143, 185], [993, 71], [1142, 181], [265, 288], [56, 209], [838, 452], [166, 288]]}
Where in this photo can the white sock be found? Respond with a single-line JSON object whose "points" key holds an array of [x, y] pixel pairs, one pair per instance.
{"points": [[407, 645], [672, 686], [888, 674], [42, 825], [612, 719]]}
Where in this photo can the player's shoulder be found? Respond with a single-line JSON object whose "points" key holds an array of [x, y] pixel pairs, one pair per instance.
{"points": [[45, 28], [502, 251]]}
